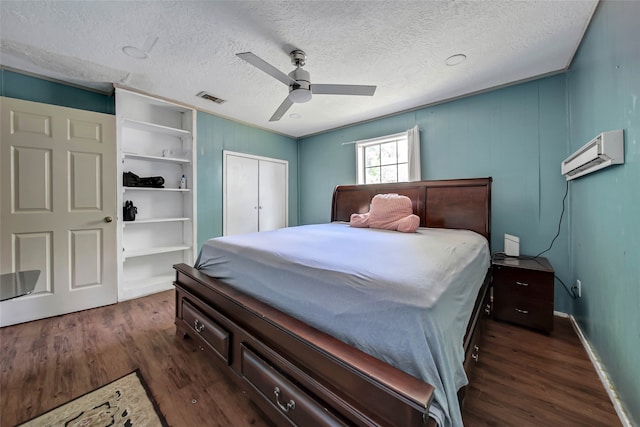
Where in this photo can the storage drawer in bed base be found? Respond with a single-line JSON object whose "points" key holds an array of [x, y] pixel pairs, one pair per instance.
{"points": [[296, 404], [212, 334]]}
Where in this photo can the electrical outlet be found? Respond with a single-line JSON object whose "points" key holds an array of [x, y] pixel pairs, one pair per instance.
{"points": [[578, 288]]}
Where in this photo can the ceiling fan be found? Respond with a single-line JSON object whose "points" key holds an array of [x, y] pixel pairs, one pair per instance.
{"points": [[299, 82]]}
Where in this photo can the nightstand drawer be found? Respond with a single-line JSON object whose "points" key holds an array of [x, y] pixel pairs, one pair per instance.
{"points": [[531, 313], [526, 284]]}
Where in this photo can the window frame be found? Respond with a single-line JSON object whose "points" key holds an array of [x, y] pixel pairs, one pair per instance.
{"points": [[363, 144]]}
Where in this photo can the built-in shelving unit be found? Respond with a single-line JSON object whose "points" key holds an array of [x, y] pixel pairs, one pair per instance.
{"points": [[155, 138]]}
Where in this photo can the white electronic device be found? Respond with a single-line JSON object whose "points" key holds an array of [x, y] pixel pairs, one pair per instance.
{"points": [[604, 150], [511, 245]]}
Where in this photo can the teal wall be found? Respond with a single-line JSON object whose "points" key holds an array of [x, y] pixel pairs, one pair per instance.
{"points": [[517, 135], [604, 91], [216, 134], [15, 85]]}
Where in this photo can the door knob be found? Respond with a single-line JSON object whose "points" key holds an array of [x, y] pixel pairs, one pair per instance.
{"points": [[108, 219]]}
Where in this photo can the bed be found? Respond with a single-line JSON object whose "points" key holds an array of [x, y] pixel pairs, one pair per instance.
{"points": [[304, 368]]}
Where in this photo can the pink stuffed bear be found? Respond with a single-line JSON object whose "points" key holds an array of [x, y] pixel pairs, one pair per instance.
{"points": [[388, 212]]}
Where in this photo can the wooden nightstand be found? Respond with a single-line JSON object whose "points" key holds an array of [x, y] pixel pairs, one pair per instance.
{"points": [[523, 292]]}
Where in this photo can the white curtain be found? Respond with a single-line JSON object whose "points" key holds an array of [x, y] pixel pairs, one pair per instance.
{"points": [[413, 139]]}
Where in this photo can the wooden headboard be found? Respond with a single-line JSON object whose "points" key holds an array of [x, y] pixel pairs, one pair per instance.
{"points": [[453, 203]]}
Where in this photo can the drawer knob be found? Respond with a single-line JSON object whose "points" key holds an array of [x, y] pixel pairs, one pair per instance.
{"points": [[291, 405], [199, 327], [522, 284], [522, 311]]}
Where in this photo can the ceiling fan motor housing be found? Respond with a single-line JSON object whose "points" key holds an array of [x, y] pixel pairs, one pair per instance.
{"points": [[300, 92]]}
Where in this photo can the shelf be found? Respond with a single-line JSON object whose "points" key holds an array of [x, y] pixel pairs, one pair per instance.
{"points": [[155, 158], [132, 253], [152, 127], [146, 286], [154, 220], [184, 190], [164, 279], [151, 100]]}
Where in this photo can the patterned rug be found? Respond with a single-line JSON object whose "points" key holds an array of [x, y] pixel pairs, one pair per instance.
{"points": [[125, 402]]}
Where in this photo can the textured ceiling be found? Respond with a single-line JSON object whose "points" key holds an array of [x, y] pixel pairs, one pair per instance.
{"points": [[400, 46]]}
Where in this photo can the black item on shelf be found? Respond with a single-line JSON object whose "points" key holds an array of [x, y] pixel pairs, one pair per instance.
{"points": [[130, 179], [129, 211]]}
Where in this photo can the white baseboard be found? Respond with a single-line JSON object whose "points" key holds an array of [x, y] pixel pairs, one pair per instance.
{"points": [[602, 373]]}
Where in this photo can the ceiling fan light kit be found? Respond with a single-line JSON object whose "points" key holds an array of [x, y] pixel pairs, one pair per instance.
{"points": [[300, 95], [299, 82]]}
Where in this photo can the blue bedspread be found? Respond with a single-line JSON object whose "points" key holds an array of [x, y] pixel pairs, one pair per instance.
{"points": [[403, 298]]}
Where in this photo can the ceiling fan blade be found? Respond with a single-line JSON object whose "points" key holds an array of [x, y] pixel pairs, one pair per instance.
{"points": [[263, 65], [343, 90], [286, 104]]}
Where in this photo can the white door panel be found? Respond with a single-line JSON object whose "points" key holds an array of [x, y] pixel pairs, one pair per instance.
{"points": [[88, 131], [34, 251], [241, 195], [85, 182], [273, 196], [32, 181], [58, 188], [23, 121], [85, 253]]}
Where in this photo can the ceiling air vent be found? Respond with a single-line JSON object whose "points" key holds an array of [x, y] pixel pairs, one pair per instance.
{"points": [[210, 97]]}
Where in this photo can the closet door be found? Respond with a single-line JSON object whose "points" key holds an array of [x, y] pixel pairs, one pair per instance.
{"points": [[272, 213], [241, 195], [255, 194]]}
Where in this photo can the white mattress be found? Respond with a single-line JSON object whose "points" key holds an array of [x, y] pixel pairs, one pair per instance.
{"points": [[405, 298]]}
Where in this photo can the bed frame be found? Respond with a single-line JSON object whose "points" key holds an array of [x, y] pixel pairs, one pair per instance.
{"points": [[300, 376]]}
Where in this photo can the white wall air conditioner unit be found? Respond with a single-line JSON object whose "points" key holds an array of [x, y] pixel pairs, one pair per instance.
{"points": [[604, 150]]}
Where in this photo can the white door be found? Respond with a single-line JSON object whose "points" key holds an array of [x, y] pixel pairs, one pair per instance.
{"points": [[241, 195], [255, 194], [272, 212], [57, 207]]}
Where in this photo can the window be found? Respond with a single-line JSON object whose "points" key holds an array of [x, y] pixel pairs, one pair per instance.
{"points": [[388, 159], [383, 159]]}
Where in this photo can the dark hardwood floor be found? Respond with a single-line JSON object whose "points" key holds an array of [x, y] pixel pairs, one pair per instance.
{"points": [[528, 378], [522, 377]]}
